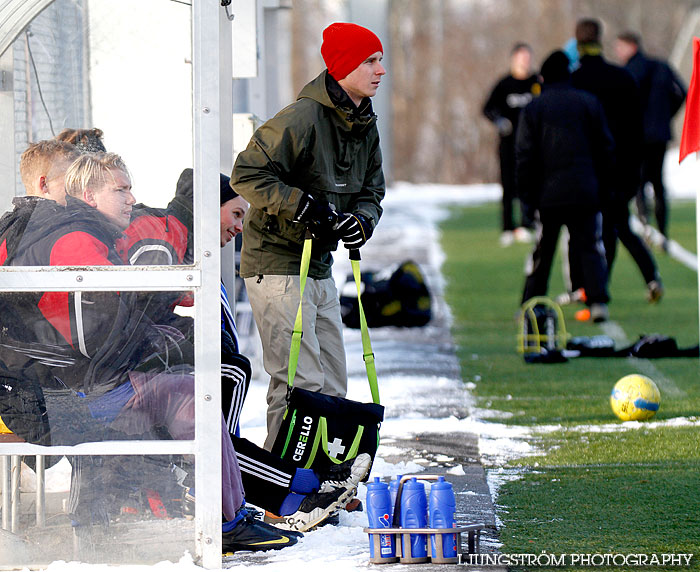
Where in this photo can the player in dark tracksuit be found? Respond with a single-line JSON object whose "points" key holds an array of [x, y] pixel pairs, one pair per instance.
{"points": [[503, 107], [564, 154], [617, 92], [662, 93]]}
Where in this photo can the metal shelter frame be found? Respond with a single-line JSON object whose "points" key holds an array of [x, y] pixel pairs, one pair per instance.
{"points": [[15, 16], [211, 37]]}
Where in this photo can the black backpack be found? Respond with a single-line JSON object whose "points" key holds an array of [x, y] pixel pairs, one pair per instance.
{"points": [[401, 299]]}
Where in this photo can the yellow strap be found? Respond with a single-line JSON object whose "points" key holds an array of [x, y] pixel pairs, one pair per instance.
{"points": [[323, 430], [295, 345], [367, 353]]}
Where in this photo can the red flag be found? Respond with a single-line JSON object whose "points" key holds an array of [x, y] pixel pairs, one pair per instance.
{"points": [[690, 140]]}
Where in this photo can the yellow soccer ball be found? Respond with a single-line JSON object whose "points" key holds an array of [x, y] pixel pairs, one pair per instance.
{"points": [[635, 398]]}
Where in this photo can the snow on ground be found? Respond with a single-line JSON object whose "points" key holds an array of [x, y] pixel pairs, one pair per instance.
{"points": [[623, 426], [346, 547]]}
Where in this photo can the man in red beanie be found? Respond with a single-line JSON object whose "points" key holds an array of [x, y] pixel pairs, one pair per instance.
{"points": [[317, 164]]}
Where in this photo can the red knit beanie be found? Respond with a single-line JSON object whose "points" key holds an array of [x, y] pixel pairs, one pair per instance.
{"points": [[345, 46]]}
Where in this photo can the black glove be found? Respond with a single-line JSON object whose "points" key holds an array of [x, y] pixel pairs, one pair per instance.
{"points": [[317, 214], [353, 229]]}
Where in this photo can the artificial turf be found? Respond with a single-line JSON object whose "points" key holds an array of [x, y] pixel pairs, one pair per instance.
{"points": [[593, 487]]}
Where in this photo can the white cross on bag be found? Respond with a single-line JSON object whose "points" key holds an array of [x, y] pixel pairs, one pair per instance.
{"points": [[336, 448]]}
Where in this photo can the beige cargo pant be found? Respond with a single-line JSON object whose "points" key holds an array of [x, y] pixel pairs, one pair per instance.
{"points": [[274, 300]]}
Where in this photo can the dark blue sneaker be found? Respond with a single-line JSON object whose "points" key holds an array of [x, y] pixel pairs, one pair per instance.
{"points": [[253, 535]]}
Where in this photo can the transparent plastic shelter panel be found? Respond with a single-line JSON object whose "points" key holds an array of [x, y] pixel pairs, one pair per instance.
{"points": [[112, 75], [85, 367], [114, 509]]}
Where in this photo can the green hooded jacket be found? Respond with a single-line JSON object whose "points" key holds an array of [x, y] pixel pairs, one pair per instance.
{"points": [[312, 146]]}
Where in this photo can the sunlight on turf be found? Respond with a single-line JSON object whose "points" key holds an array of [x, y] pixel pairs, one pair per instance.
{"points": [[595, 482]]}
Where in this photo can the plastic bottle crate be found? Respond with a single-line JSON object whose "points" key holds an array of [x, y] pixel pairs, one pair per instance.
{"points": [[473, 531]]}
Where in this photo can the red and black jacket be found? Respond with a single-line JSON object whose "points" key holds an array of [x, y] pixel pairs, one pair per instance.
{"points": [[13, 223], [155, 237], [104, 333]]}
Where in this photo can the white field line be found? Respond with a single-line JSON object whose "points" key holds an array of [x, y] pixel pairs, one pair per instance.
{"points": [[624, 426], [675, 250]]}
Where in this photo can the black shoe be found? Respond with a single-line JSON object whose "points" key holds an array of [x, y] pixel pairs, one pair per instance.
{"points": [[346, 474], [254, 535]]}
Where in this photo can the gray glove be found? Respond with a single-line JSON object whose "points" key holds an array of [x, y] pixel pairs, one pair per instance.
{"points": [[504, 126]]}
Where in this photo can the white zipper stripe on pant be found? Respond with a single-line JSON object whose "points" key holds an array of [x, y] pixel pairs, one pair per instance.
{"points": [[232, 371], [234, 413], [261, 474], [237, 375], [261, 465]]}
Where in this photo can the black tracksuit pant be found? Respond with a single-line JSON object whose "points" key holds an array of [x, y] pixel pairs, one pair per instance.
{"points": [[585, 238], [506, 155], [616, 225], [266, 477], [652, 166]]}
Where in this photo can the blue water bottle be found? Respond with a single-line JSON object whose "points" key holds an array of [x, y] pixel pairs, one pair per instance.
{"points": [[393, 492], [414, 514], [379, 515], [442, 515]]}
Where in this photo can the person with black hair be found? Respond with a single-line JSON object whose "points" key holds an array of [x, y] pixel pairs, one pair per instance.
{"points": [[503, 107], [564, 157], [619, 95], [663, 94], [114, 372]]}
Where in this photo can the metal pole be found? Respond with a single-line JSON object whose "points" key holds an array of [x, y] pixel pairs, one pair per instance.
{"points": [[6, 492], [16, 464], [697, 238], [207, 117], [40, 491]]}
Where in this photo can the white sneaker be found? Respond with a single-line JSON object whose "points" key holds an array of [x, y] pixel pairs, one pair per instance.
{"points": [[507, 238], [314, 509], [522, 235], [570, 297], [599, 313]]}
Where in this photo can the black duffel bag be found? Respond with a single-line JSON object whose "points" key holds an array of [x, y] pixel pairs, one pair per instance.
{"points": [[319, 430], [400, 299]]}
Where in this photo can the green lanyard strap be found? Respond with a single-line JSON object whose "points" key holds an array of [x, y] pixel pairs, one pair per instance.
{"points": [[367, 353], [295, 346], [297, 331]]}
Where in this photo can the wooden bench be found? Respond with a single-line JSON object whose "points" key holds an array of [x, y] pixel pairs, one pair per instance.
{"points": [[10, 474]]}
